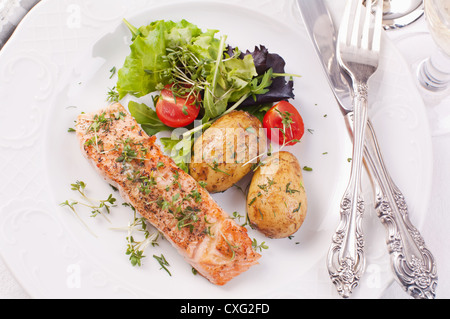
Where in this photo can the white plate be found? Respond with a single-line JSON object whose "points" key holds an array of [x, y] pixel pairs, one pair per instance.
{"points": [[57, 65]]}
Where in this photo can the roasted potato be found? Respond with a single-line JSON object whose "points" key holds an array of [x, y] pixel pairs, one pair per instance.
{"points": [[276, 200], [227, 150]]}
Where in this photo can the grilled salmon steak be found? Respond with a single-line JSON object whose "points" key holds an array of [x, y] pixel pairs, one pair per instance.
{"points": [[169, 198]]}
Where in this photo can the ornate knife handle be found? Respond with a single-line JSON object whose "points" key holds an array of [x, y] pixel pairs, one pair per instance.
{"points": [[346, 258], [413, 264]]}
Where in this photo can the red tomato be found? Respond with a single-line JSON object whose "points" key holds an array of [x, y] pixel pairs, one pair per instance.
{"points": [[177, 111], [284, 117]]}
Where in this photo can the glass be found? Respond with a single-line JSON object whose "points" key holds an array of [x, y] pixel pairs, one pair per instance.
{"points": [[425, 47], [434, 72]]}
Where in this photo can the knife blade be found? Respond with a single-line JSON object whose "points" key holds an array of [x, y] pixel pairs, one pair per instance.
{"points": [[323, 34], [413, 265]]}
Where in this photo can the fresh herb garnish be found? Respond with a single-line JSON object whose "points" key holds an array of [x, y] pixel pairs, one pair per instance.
{"points": [[187, 218], [215, 167], [97, 207], [112, 95], [113, 72], [131, 151], [230, 246], [265, 187], [237, 215], [259, 247], [136, 247], [163, 263], [289, 190]]}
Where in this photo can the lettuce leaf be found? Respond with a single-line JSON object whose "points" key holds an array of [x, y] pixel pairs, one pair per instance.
{"points": [[179, 150], [279, 89], [144, 69], [147, 118], [142, 73], [231, 80]]}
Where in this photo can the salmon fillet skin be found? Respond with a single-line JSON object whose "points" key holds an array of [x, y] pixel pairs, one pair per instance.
{"points": [[169, 198]]}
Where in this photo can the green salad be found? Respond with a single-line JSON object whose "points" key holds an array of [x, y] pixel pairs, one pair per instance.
{"points": [[206, 77]]}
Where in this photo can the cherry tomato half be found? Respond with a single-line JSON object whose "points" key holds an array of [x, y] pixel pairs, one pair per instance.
{"points": [[177, 111], [284, 117]]}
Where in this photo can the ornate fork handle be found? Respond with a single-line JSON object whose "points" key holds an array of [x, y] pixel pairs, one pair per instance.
{"points": [[346, 258], [413, 264]]}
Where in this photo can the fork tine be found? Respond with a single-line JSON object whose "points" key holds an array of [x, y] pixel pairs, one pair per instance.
{"points": [[356, 35], [344, 28], [376, 42], [365, 41]]}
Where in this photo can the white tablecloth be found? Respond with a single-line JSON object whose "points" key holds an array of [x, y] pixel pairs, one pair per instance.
{"points": [[435, 231]]}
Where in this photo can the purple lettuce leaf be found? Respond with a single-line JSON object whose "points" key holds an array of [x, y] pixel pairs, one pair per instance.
{"points": [[264, 60]]}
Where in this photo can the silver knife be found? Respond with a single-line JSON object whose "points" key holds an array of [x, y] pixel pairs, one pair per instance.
{"points": [[413, 265]]}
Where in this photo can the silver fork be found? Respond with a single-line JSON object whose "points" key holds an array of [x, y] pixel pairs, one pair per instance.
{"points": [[358, 52]]}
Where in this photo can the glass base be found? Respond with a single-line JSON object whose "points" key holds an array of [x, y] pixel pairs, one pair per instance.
{"points": [[416, 48], [431, 78]]}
